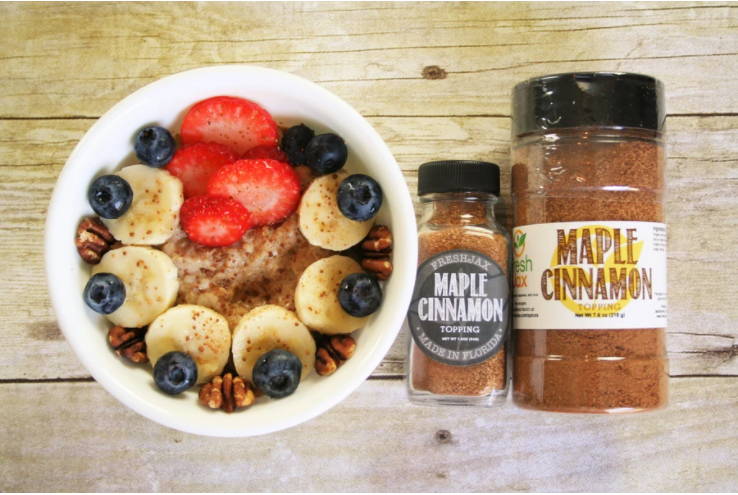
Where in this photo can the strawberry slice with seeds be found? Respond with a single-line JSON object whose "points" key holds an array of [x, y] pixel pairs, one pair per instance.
{"points": [[237, 123], [196, 163], [266, 152], [269, 189], [214, 220]]}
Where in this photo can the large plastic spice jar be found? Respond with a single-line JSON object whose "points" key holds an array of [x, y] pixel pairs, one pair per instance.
{"points": [[589, 243]]}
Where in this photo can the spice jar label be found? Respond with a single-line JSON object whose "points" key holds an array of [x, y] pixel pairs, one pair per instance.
{"points": [[459, 313], [590, 275]]}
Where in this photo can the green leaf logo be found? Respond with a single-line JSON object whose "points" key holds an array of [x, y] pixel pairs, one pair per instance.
{"points": [[520, 240]]}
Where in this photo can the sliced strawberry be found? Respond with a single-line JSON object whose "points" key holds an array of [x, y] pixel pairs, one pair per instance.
{"points": [[269, 189], [267, 152], [237, 123], [194, 164], [214, 220]]}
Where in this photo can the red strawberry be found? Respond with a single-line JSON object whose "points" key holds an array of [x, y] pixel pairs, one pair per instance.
{"points": [[268, 152], [269, 189], [237, 123], [214, 220], [194, 164]]}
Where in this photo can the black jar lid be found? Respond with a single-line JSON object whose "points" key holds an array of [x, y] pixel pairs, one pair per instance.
{"points": [[584, 99], [458, 176]]}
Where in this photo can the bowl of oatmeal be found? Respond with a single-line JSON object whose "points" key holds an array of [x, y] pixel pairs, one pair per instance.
{"points": [[261, 269]]}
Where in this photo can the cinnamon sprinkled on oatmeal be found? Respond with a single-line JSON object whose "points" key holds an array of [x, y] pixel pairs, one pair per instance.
{"points": [[233, 280]]}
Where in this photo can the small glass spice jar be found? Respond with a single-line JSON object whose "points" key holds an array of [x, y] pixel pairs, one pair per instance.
{"points": [[459, 316]]}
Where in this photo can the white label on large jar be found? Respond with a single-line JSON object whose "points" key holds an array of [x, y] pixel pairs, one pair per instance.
{"points": [[590, 275]]}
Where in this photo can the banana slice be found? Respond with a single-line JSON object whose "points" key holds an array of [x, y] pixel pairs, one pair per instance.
{"points": [[154, 212], [269, 327], [322, 223], [316, 296], [195, 330], [151, 282]]}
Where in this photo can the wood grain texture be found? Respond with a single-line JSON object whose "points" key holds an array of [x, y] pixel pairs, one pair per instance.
{"points": [[373, 55], [373, 441], [434, 79]]}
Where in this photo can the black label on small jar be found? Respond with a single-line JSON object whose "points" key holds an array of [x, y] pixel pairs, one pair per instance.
{"points": [[459, 313]]}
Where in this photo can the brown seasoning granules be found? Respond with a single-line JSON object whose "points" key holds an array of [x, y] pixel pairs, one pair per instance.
{"points": [[571, 180], [461, 225]]}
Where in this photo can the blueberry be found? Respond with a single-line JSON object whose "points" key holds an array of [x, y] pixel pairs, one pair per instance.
{"points": [[359, 197], [175, 372], [326, 153], [110, 196], [104, 293], [154, 146], [294, 141], [277, 373], [360, 294]]}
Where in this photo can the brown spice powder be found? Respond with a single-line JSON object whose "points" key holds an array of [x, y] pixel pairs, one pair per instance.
{"points": [[459, 226], [564, 370]]}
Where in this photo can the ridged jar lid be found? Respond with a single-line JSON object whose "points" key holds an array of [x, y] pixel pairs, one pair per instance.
{"points": [[458, 176], [588, 99]]}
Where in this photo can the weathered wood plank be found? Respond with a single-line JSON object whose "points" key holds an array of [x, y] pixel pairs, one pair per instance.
{"points": [[373, 56], [63, 65], [701, 205], [352, 447]]}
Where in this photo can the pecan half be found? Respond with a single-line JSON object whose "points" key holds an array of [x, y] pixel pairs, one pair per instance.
{"points": [[332, 351], [379, 267], [129, 343], [376, 249], [226, 392], [378, 242], [93, 240]]}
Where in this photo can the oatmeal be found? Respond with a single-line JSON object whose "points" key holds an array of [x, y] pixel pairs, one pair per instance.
{"points": [[262, 268]]}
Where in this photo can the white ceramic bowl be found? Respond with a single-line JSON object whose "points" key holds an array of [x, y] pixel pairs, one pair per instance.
{"points": [[108, 145]]}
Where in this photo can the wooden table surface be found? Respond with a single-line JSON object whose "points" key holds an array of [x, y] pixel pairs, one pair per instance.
{"points": [[434, 79]]}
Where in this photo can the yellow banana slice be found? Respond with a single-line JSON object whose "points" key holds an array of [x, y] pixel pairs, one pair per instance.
{"points": [[316, 296], [195, 330], [266, 328], [321, 221], [151, 282], [154, 212]]}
